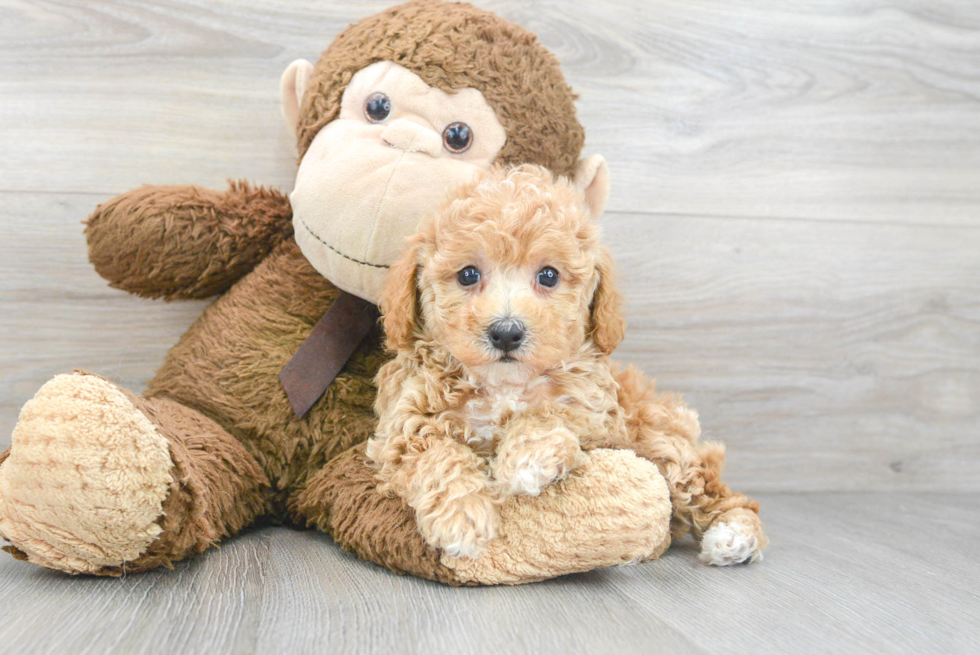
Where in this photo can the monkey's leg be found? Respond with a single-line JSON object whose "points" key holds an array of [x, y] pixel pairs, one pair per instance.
{"points": [[611, 509], [664, 430], [101, 481]]}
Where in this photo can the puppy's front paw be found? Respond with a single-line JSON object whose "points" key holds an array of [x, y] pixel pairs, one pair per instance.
{"points": [[526, 465], [462, 526], [733, 540]]}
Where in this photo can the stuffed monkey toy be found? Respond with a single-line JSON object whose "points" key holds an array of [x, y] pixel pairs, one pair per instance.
{"points": [[261, 411]]}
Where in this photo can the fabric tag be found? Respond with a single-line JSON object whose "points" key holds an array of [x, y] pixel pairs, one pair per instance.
{"points": [[325, 351]]}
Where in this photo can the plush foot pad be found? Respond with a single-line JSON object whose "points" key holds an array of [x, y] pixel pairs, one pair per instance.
{"points": [[734, 538], [86, 477], [614, 508]]}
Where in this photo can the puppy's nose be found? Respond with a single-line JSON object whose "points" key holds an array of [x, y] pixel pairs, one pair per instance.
{"points": [[506, 334]]}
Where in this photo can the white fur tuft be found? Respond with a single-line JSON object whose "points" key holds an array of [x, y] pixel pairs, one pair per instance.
{"points": [[460, 549], [725, 544]]}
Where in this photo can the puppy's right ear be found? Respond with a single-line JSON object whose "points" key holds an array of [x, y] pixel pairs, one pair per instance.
{"points": [[399, 298], [608, 325]]}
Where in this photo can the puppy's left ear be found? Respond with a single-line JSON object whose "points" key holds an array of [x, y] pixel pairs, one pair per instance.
{"points": [[399, 298], [607, 324], [592, 176]]}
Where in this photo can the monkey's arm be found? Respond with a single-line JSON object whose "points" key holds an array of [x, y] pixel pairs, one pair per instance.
{"points": [[178, 242]]}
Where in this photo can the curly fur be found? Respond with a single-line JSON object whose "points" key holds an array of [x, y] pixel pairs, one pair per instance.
{"points": [[460, 428]]}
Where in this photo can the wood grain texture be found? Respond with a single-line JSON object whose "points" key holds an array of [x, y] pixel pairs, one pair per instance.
{"points": [[828, 356], [840, 110], [796, 202], [889, 573], [57, 314], [830, 109]]}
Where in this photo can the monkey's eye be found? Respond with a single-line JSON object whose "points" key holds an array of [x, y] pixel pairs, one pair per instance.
{"points": [[377, 107], [457, 137], [468, 276], [548, 277]]}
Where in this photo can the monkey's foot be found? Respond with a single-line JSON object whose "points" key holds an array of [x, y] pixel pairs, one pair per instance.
{"points": [[85, 480], [612, 509]]}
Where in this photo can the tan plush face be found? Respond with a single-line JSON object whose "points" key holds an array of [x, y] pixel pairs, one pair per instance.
{"points": [[370, 175], [509, 275]]}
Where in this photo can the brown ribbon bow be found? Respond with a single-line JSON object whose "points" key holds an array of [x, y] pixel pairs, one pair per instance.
{"points": [[319, 359]]}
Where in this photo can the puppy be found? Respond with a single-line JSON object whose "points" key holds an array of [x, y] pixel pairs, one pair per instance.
{"points": [[502, 314]]}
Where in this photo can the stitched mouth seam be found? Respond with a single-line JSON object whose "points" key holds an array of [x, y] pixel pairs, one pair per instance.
{"points": [[348, 257]]}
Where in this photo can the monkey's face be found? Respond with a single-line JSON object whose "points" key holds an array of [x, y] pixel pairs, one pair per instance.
{"points": [[389, 159]]}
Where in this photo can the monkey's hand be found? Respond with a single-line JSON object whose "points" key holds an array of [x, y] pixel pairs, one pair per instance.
{"points": [[178, 242]]}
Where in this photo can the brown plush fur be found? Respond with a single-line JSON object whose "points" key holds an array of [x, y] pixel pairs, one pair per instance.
{"points": [[343, 501], [217, 490], [452, 47], [182, 242], [227, 365], [459, 426], [185, 242]]}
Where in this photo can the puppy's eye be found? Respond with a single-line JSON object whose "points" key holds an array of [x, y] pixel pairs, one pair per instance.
{"points": [[468, 276], [377, 107], [457, 137], [548, 277]]}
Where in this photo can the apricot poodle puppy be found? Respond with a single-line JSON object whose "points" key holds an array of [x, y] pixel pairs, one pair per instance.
{"points": [[502, 313]]}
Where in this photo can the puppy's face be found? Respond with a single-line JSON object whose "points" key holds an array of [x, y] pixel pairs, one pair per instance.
{"points": [[508, 288], [510, 275]]}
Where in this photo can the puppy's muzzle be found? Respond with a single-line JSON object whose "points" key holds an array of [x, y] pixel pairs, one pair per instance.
{"points": [[506, 335]]}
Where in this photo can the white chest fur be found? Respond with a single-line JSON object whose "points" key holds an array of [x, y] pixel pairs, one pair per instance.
{"points": [[489, 411]]}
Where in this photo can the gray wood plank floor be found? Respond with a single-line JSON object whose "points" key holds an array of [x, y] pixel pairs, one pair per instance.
{"points": [[884, 573], [795, 210]]}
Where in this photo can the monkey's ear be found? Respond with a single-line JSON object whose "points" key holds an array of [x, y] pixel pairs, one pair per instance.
{"points": [[592, 176], [292, 86], [399, 298]]}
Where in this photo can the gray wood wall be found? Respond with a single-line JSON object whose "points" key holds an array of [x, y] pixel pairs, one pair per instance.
{"points": [[795, 205]]}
